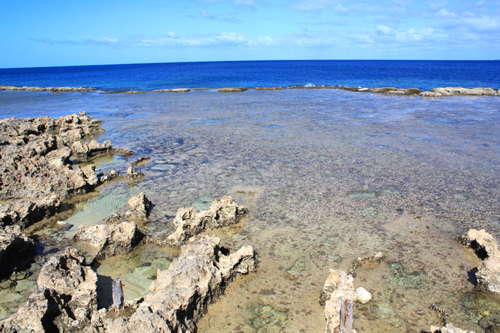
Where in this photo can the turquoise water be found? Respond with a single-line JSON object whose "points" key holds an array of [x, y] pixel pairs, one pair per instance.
{"points": [[328, 176]]}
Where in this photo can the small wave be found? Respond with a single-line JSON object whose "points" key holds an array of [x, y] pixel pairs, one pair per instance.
{"points": [[362, 89], [309, 85]]}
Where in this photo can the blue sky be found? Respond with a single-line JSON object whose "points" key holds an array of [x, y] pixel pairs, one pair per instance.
{"points": [[64, 33]]}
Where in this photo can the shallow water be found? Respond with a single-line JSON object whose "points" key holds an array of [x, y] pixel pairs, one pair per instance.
{"points": [[328, 176]]}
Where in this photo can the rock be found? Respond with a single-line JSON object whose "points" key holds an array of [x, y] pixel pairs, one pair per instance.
{"points": [[230, 90], [338, 287], [452, 91], [363, 296], [15, 250], [110, 239], [36, 168], [381, 90], [132, 174], [449, 328], [179, 296], [64, 301], [377, 257], [84, 150], [141, 161], [486, 248], [222, 212], [498, 92], [139, 206], [270, 88]]}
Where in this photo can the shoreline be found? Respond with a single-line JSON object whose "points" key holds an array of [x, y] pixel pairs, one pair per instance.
{"points": [[436, 92]]}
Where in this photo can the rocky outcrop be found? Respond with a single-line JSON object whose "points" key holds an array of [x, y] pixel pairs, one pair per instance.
{"points": [[140, 162], [338, 287], [139, 207], [110, 239], [133, 175], [51, 89], [179, 296], [64, 301], [486, 248], [37, 174], [231, 90], [222, 212], [15, 250], [453, 91]]}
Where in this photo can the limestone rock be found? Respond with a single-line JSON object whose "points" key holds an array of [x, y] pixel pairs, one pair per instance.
{"points": [[452, 91], [64, 301], [222, 212], [110, 239], [338, 287], [486, 248], [15, 249], [226, 90], [363, 296], [36, 168], [180, 295], [139, 206], [85, 150]]}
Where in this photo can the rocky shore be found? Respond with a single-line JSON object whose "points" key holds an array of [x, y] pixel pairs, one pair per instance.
{"points": [[39, 159], [436, 92]]}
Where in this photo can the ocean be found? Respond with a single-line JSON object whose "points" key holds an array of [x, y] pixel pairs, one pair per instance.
{"points": [[327, 175], [424, 75]]}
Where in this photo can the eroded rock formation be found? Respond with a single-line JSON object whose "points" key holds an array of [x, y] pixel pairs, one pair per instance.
{"points": [[179, 296], [453, 91], [15, 249], [222, 212], [486, 248], [110, 239], [37, 174], [64, 301]]}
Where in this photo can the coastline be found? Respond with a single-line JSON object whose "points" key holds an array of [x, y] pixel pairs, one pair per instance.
{"points": [[436, 92]]}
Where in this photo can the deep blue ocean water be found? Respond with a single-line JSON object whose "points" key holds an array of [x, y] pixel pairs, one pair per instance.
{"points": [[424, 75]]}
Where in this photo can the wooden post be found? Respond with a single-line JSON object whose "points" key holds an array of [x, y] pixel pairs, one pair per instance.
{"points": [[346, 316], [117, 287]]}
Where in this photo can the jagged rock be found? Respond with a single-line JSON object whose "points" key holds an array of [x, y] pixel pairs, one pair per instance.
{"points": [[179, 296], [377, 257], [110, 239], [449, 328], [338, 287], [85, 150], [64, 301], [222, 212], [15, 249], [139, 206], [486, 248], [36, 167]]}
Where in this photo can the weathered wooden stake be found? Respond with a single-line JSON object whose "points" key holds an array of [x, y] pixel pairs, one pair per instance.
{"points": [[345, 316], [117, 287]]}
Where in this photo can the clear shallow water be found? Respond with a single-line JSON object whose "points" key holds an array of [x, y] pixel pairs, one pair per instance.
{"points": [[329, 176], [424, 75]]}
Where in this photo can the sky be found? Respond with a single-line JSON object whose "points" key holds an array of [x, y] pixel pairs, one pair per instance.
{"points": [[66, 33]]}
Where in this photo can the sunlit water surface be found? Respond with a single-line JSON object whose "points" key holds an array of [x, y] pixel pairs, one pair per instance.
{"points": [[328, 176]]}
